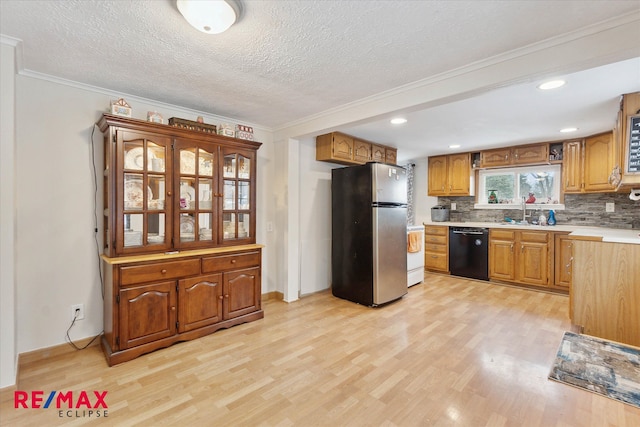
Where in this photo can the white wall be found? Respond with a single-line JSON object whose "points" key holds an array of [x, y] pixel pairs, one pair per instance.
{"points": [[422, 202], [56, 256], [315, 219], [8, 344]]}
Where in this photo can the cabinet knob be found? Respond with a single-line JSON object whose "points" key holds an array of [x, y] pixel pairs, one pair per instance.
{"points": [[226, 296], [233, 261], [163, 271], [168, 193], [221, 297], [173, 308]]}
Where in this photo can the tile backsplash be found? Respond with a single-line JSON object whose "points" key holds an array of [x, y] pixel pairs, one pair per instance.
{"points": [[580, 209]]}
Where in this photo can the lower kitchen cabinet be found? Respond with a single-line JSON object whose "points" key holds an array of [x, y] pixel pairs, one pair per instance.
{"points": [[562, 261], [519, 256], [153, 301], [436, 248]]}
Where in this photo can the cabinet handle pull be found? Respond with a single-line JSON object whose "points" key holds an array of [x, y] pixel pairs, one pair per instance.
{"points": [[521, 248], [569, 264], [512, 248], [163, 271], [434, 256]]}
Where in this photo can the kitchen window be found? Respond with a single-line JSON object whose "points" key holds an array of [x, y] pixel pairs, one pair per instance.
{"points": [[505, 188]]}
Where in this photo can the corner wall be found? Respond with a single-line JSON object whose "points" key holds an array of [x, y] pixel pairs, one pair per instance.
{"points": [[8, 333]]}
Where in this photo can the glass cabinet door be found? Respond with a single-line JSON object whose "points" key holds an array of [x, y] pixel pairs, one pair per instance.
{"points": [[237, 198], [196, 185], [144, 222]]}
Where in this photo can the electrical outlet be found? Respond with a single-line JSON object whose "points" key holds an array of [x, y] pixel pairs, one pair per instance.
{"points": [[610, 207], [269, 226], [79, 309], [453, 206]]}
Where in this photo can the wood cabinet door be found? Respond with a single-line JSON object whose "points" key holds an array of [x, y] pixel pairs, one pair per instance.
{"points": [[501, 260], [572, 166], [147, 313], [342, 147], [241, 292], [531, 154], [200, 302], [533, 263], [378, 153], [391, 156], [562, 261], [459, 173], [437, 185], [361, 151], [497, 157], [599, 161]]}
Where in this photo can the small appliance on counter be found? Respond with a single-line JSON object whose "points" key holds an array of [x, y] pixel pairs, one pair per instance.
{"points": [[439, 213]]}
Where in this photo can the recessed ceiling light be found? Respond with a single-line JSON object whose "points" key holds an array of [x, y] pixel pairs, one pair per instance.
{"points": [[454, 146], [552, 84], [567, 130], [398, 121]]}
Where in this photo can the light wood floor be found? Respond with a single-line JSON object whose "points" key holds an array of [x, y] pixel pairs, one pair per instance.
{"points": [[451, 352]]}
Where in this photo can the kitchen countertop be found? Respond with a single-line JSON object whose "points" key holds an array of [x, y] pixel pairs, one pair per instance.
{"points": [[612, 235]]}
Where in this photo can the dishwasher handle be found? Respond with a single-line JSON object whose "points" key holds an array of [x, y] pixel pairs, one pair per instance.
{"points": [[468, 233]]}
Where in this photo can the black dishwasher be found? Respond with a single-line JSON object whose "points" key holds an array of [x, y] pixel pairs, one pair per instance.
{"points": [[469, 252]]}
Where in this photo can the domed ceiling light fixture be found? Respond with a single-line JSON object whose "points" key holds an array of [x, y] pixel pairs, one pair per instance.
{"points": [[210, 16]]}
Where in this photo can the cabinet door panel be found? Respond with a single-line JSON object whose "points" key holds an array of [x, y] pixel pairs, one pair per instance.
{"points": [[147, 314], [533, 263], [342, 147], [459, 171], [563, 261], [241, 292], [497, 157], [437, 176], [501, 260], [378, 153], [572, 166], [531, 154], [598, 162], [361, 151], [391, 156], [200, 300]]}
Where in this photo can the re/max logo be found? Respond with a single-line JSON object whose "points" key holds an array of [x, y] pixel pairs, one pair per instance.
{"points": [[59, 399]]}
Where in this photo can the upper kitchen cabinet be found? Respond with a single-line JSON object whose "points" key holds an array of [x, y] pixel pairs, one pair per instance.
{"points": [[337, 147], [515, 156], [627, 138], [167, 188], [450, 175], [588, 164]]}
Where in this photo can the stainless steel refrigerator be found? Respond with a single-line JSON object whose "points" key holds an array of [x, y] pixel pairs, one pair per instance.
{"points": [[369, 233]]}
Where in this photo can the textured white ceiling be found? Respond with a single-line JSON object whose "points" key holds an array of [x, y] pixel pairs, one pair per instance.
{"points": [[284, 61]]}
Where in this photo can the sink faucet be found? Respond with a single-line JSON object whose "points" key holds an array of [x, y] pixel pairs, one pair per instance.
{"points": [[524, 210]]}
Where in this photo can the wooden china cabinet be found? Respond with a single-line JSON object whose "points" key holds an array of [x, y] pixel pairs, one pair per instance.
{"points": [[180, 254]]}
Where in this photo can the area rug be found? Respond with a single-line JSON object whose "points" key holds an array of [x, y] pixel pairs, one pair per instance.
{"points": [[599, 366]]}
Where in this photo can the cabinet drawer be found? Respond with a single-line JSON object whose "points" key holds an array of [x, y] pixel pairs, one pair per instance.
{"points": [[437, 230], [228, 262], [159, 271], [502, 234], [436, 261], [437, 240], [534, 236], [434, 247]]}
